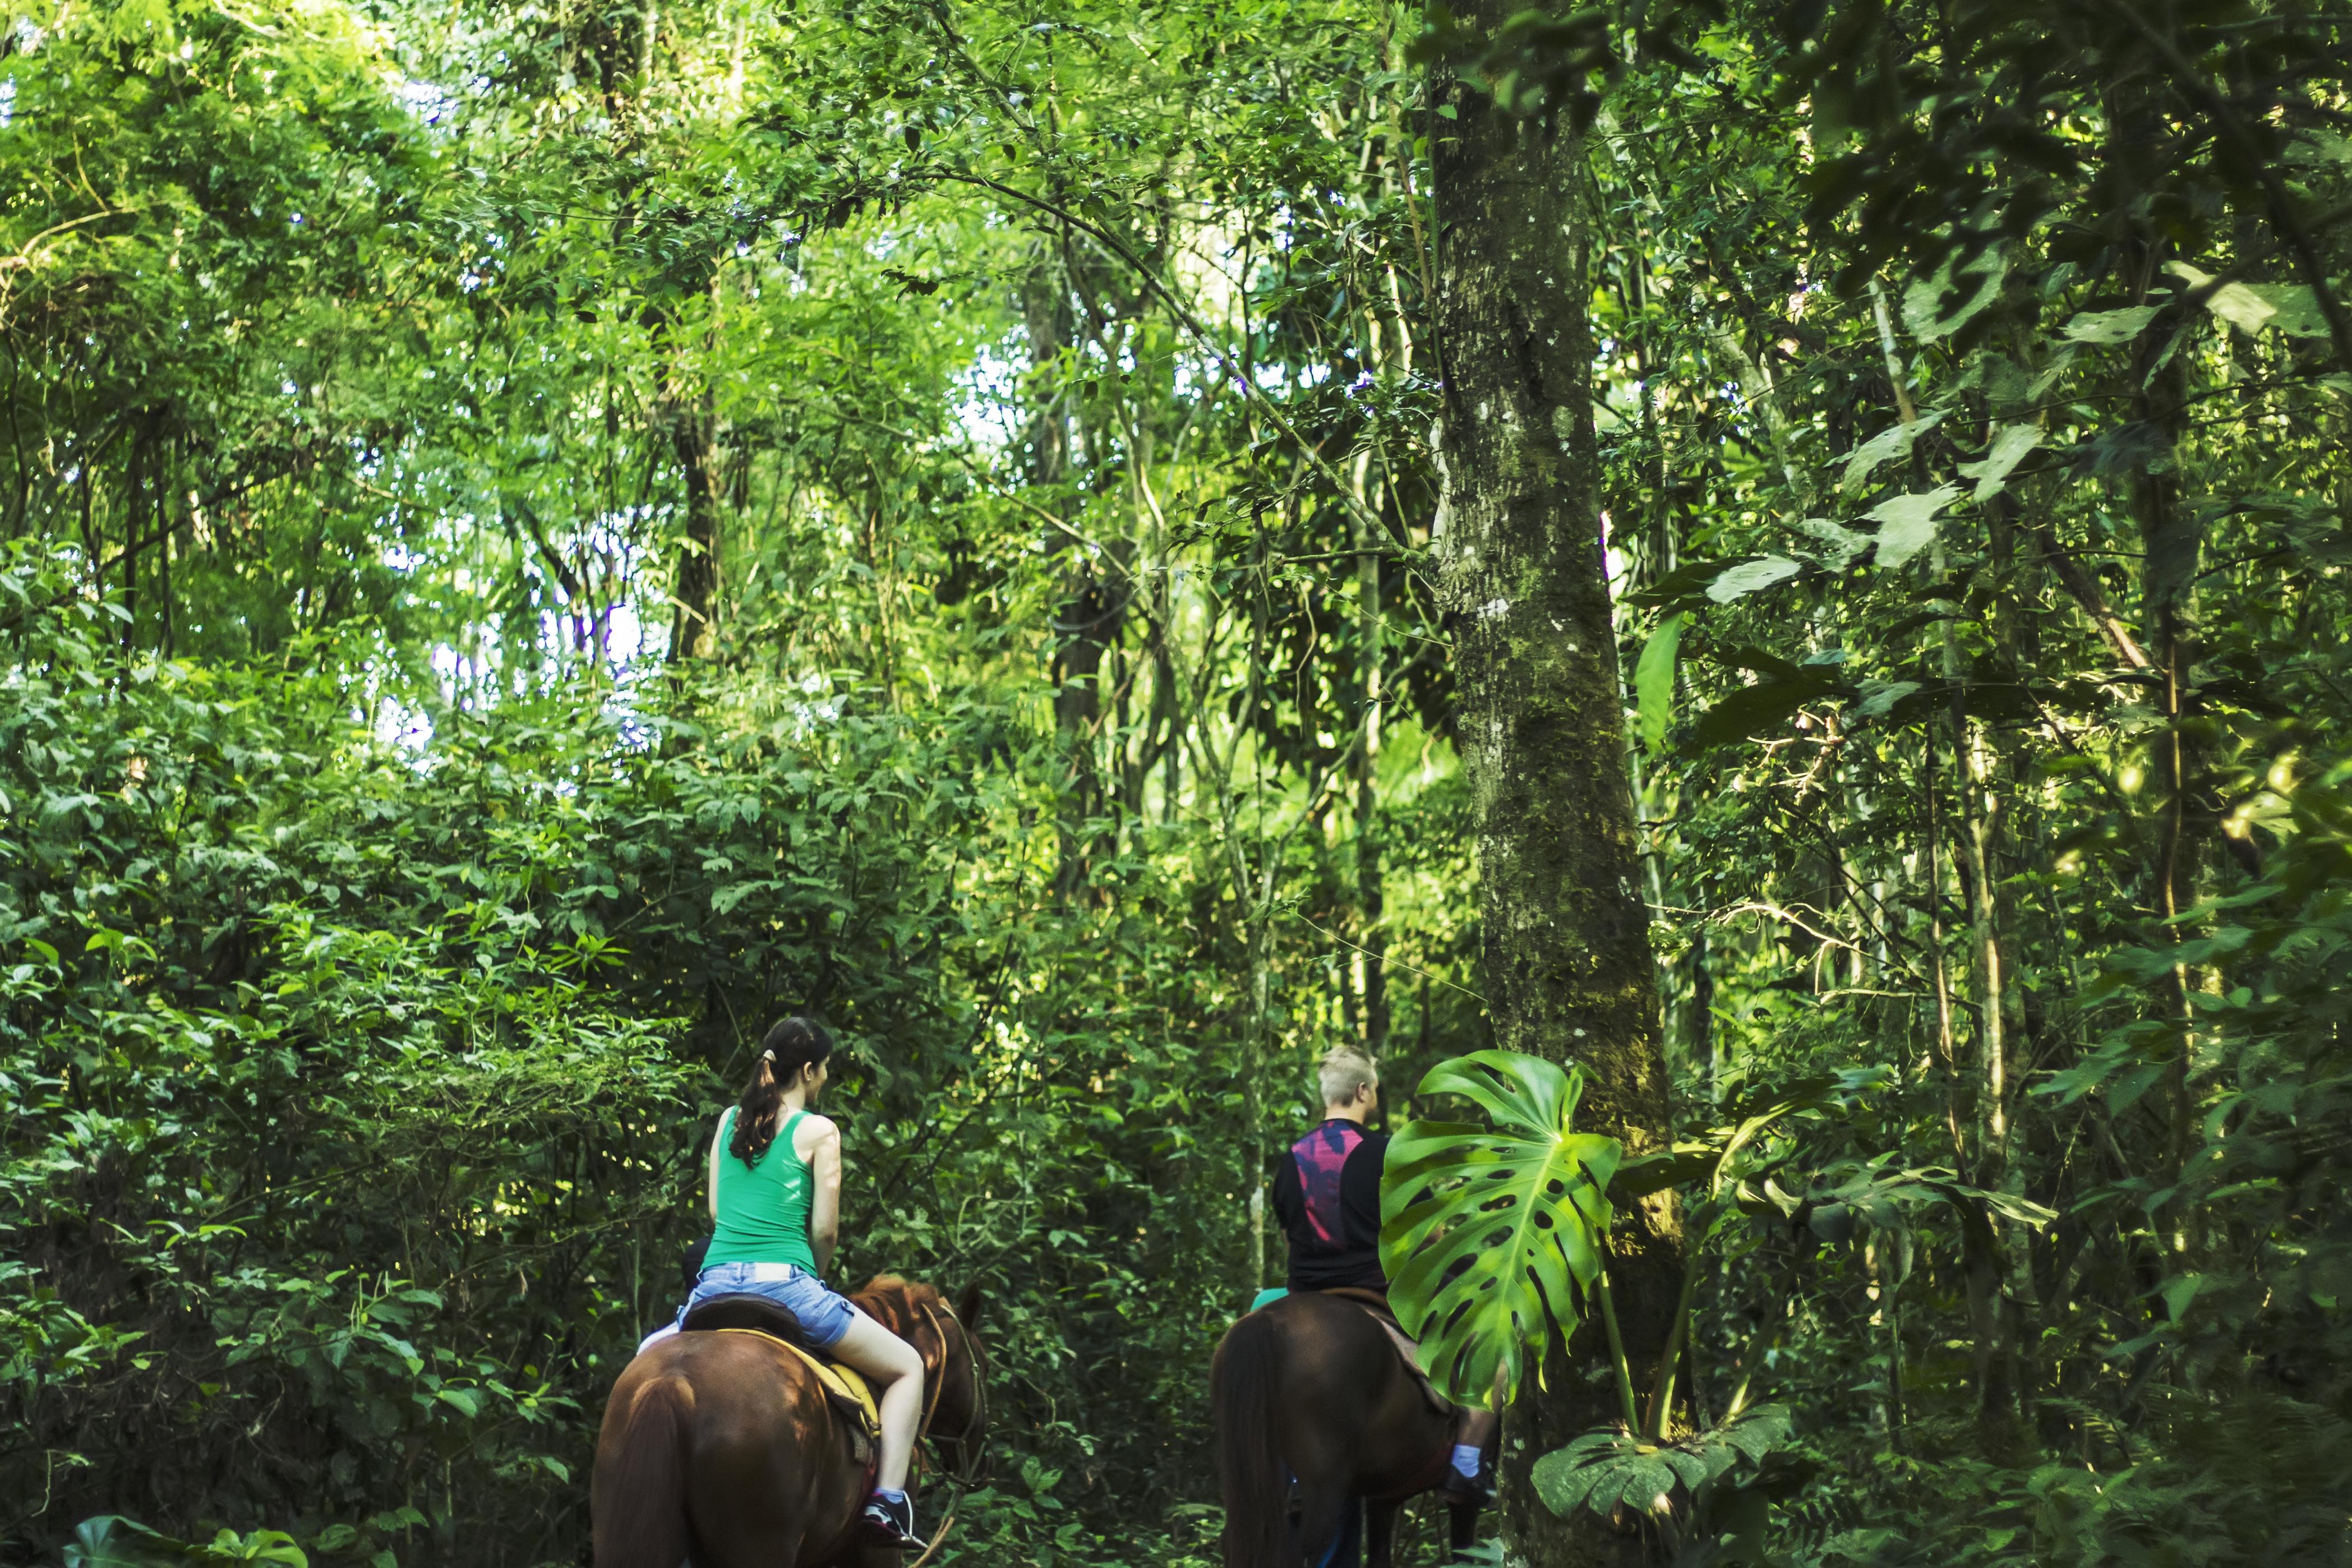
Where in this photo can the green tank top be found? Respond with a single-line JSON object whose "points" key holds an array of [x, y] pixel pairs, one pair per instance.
{"points": [[763, 1209]]}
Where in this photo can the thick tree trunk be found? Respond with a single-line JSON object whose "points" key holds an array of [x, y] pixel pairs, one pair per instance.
{"points": [[1568, 970]]}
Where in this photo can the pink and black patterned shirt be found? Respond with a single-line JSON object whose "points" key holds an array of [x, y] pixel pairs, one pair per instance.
{"points": [[1327, 1193]]}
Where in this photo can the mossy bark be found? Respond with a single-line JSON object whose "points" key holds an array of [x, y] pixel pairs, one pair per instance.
{"points": [[1567, 962]]}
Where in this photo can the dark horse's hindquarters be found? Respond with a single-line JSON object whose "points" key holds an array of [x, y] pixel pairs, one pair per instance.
{"points": [[1311, 1386]]}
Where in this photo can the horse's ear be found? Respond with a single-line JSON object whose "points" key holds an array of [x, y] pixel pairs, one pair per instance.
{"points": [[968, 1306]]}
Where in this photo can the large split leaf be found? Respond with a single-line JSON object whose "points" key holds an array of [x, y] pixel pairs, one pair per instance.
{"points": [[1609, 1469], [111, 1541], [1491, 1235], [1875, 1190]]}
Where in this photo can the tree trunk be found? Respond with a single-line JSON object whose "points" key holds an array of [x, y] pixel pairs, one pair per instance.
{"points": [[1093, 606], [1370, 957], [691, 428], [2172, 538], [1565, 940]]}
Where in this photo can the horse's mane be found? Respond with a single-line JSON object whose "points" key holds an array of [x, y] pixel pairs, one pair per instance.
{"points": [[897, 1304]]}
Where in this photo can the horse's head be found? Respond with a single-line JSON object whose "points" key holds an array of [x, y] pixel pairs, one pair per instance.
{"points": [[955, 1365]]}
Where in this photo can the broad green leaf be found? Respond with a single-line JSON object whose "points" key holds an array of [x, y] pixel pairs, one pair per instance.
{"points": [[2111, 326], [1645, 1483], [1747, 578], [2314, 145], [1762, 706], [1689, 1469], [1757, 1431], [2291, 308], [1907, 524], [1894, 441], [1655, 1171], [1610, 1467], [112, 1541], [1654, 682], [1565, 1479], [1841, 545], [2011, 443], [1491, 1235], [1941, 304], [1879, 697]]}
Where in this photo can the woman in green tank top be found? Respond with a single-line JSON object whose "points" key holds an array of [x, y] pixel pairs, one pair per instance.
{"points": [[775, 1211]]}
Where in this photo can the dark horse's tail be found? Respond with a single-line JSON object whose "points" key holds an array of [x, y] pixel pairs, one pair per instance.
{"points": [[638, 1499], [1250, 1470]]}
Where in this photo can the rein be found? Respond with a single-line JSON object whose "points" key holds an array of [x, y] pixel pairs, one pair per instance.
{"points": [[975, 1463]]}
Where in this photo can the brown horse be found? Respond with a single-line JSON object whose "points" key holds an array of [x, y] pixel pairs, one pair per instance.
{"points": [[1312, 1388], [720, 1448]]}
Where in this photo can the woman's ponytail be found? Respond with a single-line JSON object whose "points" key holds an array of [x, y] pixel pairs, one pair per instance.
{"points": [[791, 1045]]}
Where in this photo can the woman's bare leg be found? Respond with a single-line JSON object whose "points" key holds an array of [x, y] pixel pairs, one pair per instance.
{"points": [[897, 1373]]}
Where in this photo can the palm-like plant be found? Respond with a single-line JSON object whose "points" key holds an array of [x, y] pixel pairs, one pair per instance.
{"points": [[1494, 1236]]}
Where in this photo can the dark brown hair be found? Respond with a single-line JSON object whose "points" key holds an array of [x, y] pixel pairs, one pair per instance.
{"points": [[790, 1045]]}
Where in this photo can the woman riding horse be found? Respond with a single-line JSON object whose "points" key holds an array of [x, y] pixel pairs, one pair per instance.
{"points": [[775, 1205], [724, 1449]]}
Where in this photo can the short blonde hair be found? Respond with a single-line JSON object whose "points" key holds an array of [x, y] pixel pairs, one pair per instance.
{"points": [[1344, 1071]]}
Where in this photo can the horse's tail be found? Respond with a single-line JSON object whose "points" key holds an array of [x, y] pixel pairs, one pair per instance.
{"points": [[637, 1499], [1250, 1471]]}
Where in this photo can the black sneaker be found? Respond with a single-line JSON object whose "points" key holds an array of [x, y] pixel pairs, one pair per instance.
{"points": [[892, 1523], [1457, 1489]]}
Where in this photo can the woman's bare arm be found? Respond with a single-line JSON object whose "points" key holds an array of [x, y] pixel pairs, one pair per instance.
{"points": [[822, 1152], [717, 1150]]}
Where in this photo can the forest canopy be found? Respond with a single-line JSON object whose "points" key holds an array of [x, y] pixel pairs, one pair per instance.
{"points": [[542, 537]]}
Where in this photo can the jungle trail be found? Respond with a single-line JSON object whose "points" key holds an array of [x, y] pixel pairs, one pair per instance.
{"points": [[1557, 785]]}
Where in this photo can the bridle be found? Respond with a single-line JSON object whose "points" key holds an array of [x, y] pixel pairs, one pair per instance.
{"points": [[975, 1458]]}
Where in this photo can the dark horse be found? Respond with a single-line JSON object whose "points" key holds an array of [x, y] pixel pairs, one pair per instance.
{"points": [[720, 1448], [1312, 1387]]}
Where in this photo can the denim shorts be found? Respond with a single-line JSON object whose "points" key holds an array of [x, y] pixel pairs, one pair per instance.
{"points": [[824, 1314]]}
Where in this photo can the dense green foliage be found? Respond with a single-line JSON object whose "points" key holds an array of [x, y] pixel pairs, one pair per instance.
{"points": [[542, 536]]}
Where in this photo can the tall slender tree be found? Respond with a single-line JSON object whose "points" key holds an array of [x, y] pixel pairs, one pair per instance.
{"points": [[1566, 956]]}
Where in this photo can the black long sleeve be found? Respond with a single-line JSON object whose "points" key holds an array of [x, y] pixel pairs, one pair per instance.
{"points": [[1351, 1258], [1359, 1196]]}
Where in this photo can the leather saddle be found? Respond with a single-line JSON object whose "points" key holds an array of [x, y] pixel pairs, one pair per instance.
{"points": [[745, 1310], [846, 1388]]}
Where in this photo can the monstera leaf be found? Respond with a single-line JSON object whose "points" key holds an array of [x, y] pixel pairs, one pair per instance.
{"points": [[1491, 1235], [111, 1541], [1608, 1469]]}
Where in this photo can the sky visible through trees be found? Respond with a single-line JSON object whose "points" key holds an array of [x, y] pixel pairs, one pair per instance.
{"points": [[542, 536]]}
